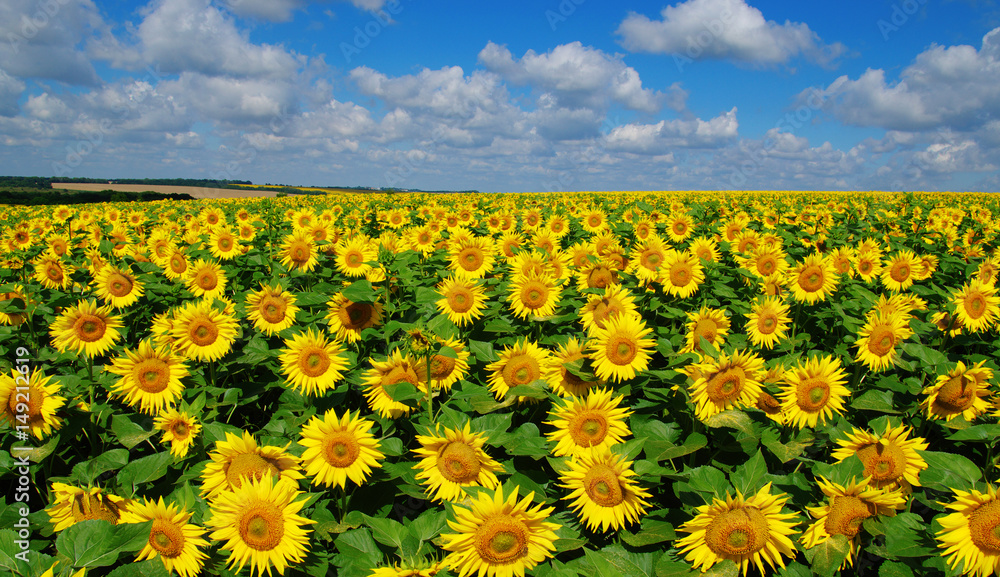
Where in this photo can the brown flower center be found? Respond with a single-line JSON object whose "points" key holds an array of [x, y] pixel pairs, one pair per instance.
{"points": [[588, 428], [166, 538], [811, 278], [262, 526], [737, 533], [119, 285], [151, 375], [89, 328], [726, 385], [957, 394], [680, 274], [355, 316], [621, 349], [984, 527], [811, 395], [248, 465], [881, 341], [534, 294], [768, 404], [501, 540], [459, 463], [846, 514], [600, 276], [522, 369], [975, 305], [900, 272], [341, 449], [602, 486], [884, 461], [314, 361], [207, 279], [272, 309], [203, 332], [471, 258], [89, 507]]}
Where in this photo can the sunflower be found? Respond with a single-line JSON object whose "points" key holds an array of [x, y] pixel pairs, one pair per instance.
{"points": [[605, 495], [969, 536], [179, 429], [705, 249], [533, 295], [742, 530], [53, 273], [239, 458], [594, 221], [848, 506], [731, 381], [222, 243], [445, 369], [596, 274], [868, 264], [72, 505], [647, 259], [471, 258], [680, 227], [393, 371], [206, 279], [878, 339], [498, 536], [272, 309], [977, 306], [590, 425], [620, 349], [338, 449], [348, 319], [150, 377], [960, 392], [175, 541], [900, 271], [709, 324], [813, 279], [311, 364], [599, 309], [117, 287], [30, 402], [176, 264], [298, 251], [519, 365], [681, 273], [764, 262], [86, 329], [259, 523], [565, 382], [202, 332], [767, 323], [453, 459], [13, 305], [890, 459], [814, 390]]}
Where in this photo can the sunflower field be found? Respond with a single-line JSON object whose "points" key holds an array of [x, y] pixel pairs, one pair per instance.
{"points": [[589, 384]]}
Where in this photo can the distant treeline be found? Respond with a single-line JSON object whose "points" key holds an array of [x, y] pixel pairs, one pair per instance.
{"points": [[46, 182], [46, 197]]}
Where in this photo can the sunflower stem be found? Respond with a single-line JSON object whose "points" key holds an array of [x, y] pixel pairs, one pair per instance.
{"points": [[795, 325], [430, 387], [211, 371]]}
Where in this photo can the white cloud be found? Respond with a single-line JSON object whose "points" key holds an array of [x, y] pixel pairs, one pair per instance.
{"points": [[282, 10], [446, 93], [45, 40], [956, 87], [577, 75], [10, 92], [233, 101], [46, 107], [724, 29], [665, 135]]}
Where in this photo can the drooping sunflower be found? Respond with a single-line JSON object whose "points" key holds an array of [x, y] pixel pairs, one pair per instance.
{"points": [[150, 377], [900, 271], [621, 349], [977, 306], [394, 370], [681, 273], [259, 522], [206, 279], [72, 505], [534, 294], [471, 258], [299, 252], [604, 493], [338, 449], [179, 429], [890, 459], [202, 332], [498, 536], [847, 507], [521, 364], [814, 391], [119, 288], [615, 302], [709, 324], [445, 369], [312, 364], [86, 329], [565, 382], [588, 425], [728, 382], [272, 309], [768, 321], [878, 339], [742, 530], [453, 459], [597, 274], [52, 272], [30, 401], [962, 391], [813, 279], [239, 458], [347, 318], [175, 541], [969, 536]]}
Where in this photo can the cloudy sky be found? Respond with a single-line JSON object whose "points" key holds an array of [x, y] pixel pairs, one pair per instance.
{"points": [[516, 95]]}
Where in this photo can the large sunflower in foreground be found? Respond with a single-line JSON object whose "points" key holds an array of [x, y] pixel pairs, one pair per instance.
{"points": [[348, 319], [240, 458], [202, 332], [847, 507], [603, 492], [463, 300], [312, 364], [272, 309], [813, 279], [259, 523], [338, 449], [498, 536], [533, 295], [179, 429], [175, 541], [150, 377], [962, 391], [742, 530], [119, 288], [728, 382], [970, 536], [30, 401], [977, 306], [814, 391], [588, 425], [86, 329], [768, 321], [72, 505], [681, 273], [394, 370], [521, 364], [890, 459], [564, 381], [452, 460], [621, 349], [878, 339]]}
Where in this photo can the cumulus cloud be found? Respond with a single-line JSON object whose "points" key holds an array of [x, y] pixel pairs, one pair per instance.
{"points": [[665, 135], [724, 29], [283, 10], [10, 92], [577, 75], [46, 40]]}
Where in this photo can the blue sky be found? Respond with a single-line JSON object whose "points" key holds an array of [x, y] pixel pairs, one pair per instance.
{"points": [[507, 96]]}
